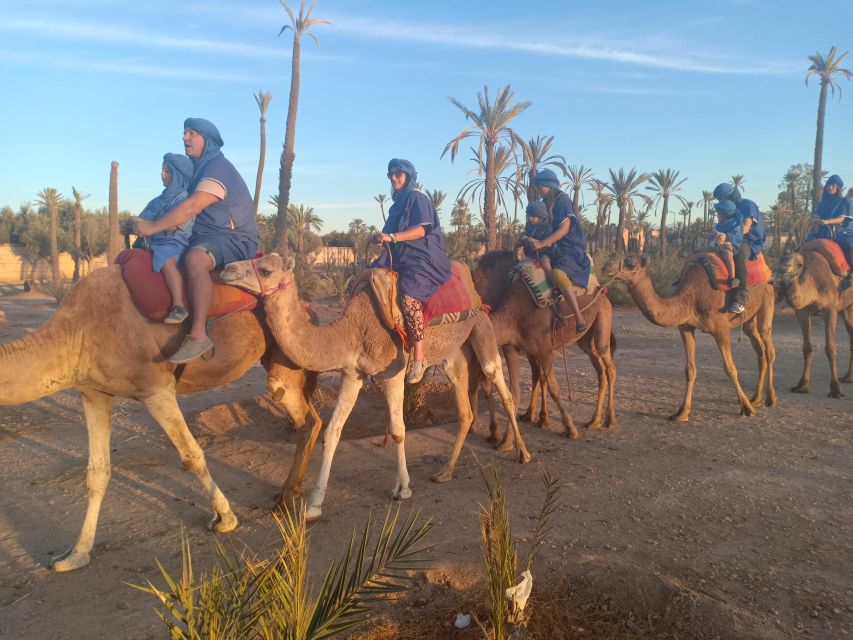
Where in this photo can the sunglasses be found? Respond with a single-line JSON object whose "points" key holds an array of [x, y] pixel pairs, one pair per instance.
{"points": [[396, 173]]}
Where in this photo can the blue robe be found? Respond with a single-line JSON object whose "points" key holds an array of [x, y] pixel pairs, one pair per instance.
{"points": [[423, 264], [569, 252], [757, 236], [539, 232], [832, 206], [733, 228]]}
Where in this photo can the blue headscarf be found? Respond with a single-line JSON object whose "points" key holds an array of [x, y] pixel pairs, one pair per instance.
{"points": [[831, 204], [212, 140], [537, 208], [726, 208], [181, 168], [398, 164], [547, 178]]}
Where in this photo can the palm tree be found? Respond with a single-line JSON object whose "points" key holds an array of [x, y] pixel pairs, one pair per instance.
{"points": [[113, 236], [577, 175], [301, 220], [737, 182], [301, 26], [381, 199], [535, 153], [707, 199], [506, 180], [686, 211], [491, 126], [603, 202], [665, 183], [829, 70], [437, 198], [263, 99], [78, 215], [624, 187], [358, 231], [49, 198]]}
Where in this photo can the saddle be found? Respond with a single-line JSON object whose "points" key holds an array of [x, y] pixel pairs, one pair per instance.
{"points": [[830, 250], [151, 296], [758, 271], [540, 288], [456, 300]]}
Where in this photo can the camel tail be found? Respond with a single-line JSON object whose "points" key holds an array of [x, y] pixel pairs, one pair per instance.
{"points": [[612, 343]]}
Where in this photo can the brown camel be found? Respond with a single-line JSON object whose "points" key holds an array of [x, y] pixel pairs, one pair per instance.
{"points": [[359, 345], [98, 343], [520, 324], [810, 287], [696, 305]]}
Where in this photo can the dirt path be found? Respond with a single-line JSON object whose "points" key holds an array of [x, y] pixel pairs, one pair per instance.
{"points": [[733, 527]]}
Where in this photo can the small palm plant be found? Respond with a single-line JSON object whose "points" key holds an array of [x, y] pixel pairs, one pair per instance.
{"points": [[264, 599]]}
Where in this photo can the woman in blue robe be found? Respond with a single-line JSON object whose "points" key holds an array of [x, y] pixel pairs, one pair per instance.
{"points": [[833, 219], [569, 260], [415, 250], [168, 246]]}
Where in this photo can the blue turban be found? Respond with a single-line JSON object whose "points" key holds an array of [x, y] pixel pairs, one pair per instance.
{"points": [[212, 140], [726, 208], [181, 168], [724, 191], [830, 203], [398, 164], [547, 178], [537, 208]]}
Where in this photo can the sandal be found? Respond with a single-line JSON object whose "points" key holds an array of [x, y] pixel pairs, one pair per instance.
{"points": [[191, 348], [177, 315]]}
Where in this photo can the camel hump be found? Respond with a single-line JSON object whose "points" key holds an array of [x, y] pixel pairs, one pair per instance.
{"points": [[758, 271], [151, 296], [831, 251]]}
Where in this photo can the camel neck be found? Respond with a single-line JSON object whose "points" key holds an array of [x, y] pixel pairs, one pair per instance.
{"points": [[664, 312]]}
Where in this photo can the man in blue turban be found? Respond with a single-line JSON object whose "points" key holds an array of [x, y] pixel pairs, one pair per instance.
{"points": [[833, 219], [224, 229], [754, 238]]}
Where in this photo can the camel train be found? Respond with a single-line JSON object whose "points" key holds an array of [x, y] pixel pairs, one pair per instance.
{"points": [[74, 349]]}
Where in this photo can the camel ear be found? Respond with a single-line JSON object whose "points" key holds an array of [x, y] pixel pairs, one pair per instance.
{"points": [[289, 262], [644, 261]]}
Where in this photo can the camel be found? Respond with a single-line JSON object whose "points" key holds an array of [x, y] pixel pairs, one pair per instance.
{"points": [[810, 287], [99, 344], [696, 305], [359, 345], [519, 324]]}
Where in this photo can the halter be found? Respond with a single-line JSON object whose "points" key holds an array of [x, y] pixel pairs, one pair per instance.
{"points": [[266, 293]]}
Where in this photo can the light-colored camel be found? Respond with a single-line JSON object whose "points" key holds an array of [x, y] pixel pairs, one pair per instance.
{"points": [[520, 324], [358, 345], [98, 343], [696, 305], [810, 287]]}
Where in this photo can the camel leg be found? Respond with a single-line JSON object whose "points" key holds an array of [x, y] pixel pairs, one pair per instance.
{"points": [[347, 394], [848, 321], [805, 320], [513, 366], [541, 370], [723, 338], [750, 328], [299, 408], [164, 408], [610, 369], [394, 389], [830, 322], [553, 387], [600, 370], [688, 337], [457, 371], [97, 408], [765, 329]]}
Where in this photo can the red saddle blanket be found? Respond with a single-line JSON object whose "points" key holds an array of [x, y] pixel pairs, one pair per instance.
{"points": [[757, 271], [830, 250], [152, 298], [454, 300]]}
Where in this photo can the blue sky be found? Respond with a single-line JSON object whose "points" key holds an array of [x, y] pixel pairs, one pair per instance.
{"points": [[709, 90]]}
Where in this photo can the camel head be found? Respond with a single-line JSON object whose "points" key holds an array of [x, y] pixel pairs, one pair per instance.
{"points": [[792, 267], [627, 268], [261, 276]]}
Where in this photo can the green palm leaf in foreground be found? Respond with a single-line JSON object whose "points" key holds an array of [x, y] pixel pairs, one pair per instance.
{"points": [[270, 598]]}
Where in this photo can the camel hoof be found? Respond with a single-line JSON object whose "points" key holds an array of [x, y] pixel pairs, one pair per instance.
{"points": [[612, 424], [572, 433], [679, 417], [524, 456], [543, 424], [444, 476], [287, 502], [493, 439], [847, 379], [747, 410], [70, 561], [836, 393], [755, 401], [313, 513], [524, 417], [505, 447], [799, 389], [401, 494], [772, 401], [223, 522], [593, 424]]}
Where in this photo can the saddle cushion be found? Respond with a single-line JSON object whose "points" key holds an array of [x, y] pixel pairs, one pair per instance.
{"points": [[539, 286], [830, 250], [151, 296], [757, 270]]}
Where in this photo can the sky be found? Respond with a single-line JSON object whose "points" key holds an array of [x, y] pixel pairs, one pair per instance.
{"points": [[709, 89]]}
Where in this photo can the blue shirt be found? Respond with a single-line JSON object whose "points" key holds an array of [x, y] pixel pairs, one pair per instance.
{"points": [[757, 235], [569, 252]]}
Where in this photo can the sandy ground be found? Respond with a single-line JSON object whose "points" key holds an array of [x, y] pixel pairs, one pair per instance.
{"points": [[732, 527]]}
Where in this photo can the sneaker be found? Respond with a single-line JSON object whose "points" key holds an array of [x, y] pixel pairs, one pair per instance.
{"points": [[177, 315], [735, 307], [191, 348], [415, 372]]}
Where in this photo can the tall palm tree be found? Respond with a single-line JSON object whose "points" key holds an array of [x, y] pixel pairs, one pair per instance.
{"points": [[437, 198], [686, 211], [78, 215], [707, 199], [381, 199], [49, 198], [301, 25], [507, 178], [302, 219], [358, 231], [603, 202], [624, 185], [113, 236], [535, 153], [577, 175], [490, 124], [665, 183], [738, 181], [262, 98], [829, 70]]}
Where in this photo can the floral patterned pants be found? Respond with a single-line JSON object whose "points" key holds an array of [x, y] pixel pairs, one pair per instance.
{"points": [[413, 316]]}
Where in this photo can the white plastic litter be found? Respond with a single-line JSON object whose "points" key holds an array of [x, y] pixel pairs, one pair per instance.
{"points": [[462, 620], [519, 594]]}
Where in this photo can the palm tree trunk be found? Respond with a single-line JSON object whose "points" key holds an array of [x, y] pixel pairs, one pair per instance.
{"points": [[663, 215], [576, 196], [818, 144], [113, 242], [620, 241], [78, 215], [54, 245], [489, 217], [263, 154], [288, 155]]}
